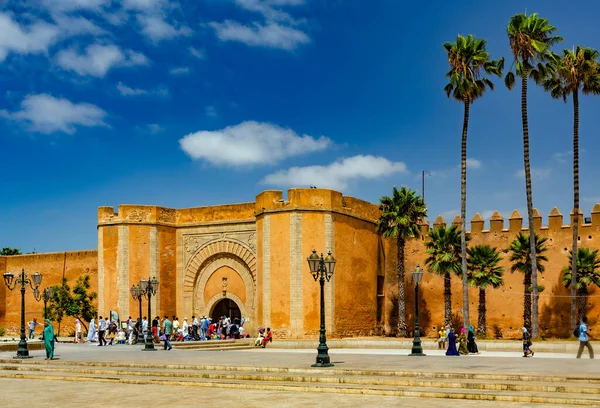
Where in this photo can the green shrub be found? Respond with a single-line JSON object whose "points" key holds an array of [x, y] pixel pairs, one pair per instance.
{"points": [[2, 331]]}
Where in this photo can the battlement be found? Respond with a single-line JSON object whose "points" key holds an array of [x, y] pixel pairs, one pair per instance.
{"points": [[515, 222], [315, 199]]}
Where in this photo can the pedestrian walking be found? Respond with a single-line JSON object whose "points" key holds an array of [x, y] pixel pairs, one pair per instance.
{"points": [[91, 331], [584, 340], [452, 351], [32, 325], [49, 339], [471, 345], [101, 331], [78, 331]]}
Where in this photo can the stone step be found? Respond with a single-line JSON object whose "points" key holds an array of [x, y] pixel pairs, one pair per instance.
{"points": [[195, 345], [384, 390], [324, 372], [318, 377]]}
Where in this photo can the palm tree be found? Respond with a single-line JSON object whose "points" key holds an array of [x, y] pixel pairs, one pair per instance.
{"points": [[576, 71], [588, 274], [443, 250], [399, 218], [469, 64], [530, 40], [521, 261], [484, 272]]}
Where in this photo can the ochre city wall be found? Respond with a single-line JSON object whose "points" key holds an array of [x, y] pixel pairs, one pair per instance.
{"points": [[275, 235], [53, 267]]}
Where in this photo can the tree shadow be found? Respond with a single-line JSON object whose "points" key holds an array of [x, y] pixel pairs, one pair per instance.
{"points": [[424, 312], [555, 319]]}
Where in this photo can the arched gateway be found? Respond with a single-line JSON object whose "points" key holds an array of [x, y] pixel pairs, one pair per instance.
{"points": [[203, 281]]}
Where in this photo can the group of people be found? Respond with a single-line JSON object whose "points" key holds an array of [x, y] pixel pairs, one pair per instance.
{"points": [[132, 331], [466, 341]]}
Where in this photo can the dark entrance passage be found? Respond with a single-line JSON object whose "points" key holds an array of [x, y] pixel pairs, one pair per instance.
{"points": [[226, 307]]}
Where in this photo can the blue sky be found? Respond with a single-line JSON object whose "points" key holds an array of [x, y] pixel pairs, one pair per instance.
{"points": [[199, 102]]}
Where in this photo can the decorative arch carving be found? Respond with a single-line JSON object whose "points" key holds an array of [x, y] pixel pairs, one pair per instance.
{"points": [[224, 246], [214, 264]]}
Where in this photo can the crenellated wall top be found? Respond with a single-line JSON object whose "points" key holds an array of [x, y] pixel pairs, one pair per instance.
{"points": [[515, 221], [319, 199]]}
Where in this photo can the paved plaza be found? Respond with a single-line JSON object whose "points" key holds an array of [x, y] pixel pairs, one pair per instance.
{"points": [[58, 393]]}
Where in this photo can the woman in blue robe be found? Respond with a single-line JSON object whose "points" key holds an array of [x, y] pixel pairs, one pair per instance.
{"points": [[452, 351]]}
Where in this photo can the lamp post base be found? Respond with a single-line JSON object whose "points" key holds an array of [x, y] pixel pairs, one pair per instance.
{"points": [[416, 350], [148, 344], [22, 351], [323, 365]]}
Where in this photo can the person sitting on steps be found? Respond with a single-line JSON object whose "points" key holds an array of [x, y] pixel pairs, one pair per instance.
{"points": [[267, 338]]}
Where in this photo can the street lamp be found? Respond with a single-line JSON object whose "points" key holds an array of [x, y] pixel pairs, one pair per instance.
{"points": [[47, 295], [322, 269], [417, 350], [22, 280], [137, 293], [149, 287]]}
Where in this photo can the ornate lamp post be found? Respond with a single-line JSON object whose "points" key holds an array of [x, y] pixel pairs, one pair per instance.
{"points": [[137, 293], [47, 295], [417, 350], [22, 280], [149, 287], [322, 269]]}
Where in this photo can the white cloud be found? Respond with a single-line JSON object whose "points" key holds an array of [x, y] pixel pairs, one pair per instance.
{"points": [[249, 143], [154, 128], [73, 26], [73, 5], [128, 91], [144, 5], [473, 163], [211, 111], [179, 71], [32, 39], [200, 54], [338, 174], [98, 59], [265, 8], [270, 34], [47, 114], [156, 28], [536, 173], [563, 157]]}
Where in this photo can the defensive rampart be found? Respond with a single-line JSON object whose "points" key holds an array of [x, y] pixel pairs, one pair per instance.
{"points": [[267, 241]]}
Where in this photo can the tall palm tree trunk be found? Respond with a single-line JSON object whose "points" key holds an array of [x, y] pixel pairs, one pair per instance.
{"points": [[447, 299], [463, 214], [582, 302], [401, 294], [527, 302], [481, 317], [534, 303], [575, 207]]}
